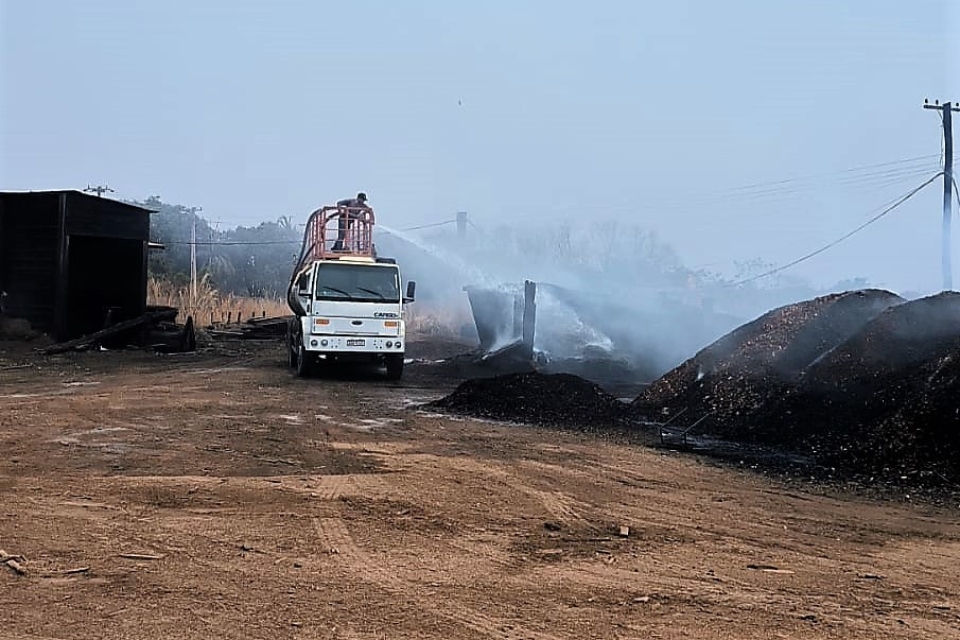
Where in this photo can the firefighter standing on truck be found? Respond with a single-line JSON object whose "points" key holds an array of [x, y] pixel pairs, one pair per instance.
{"points": [[348, 217]]}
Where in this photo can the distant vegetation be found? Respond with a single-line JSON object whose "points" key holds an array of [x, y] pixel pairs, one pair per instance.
{"points": [[244, 261], [255, 262]]}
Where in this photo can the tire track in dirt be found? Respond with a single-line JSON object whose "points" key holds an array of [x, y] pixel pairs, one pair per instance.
{"points": [[478, 551], [334, 487], [376, 486], [611, 472], [667, 493], [559, 505], [336, 540]]}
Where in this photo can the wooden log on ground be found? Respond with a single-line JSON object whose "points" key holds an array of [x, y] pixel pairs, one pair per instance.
{"points": [[87, 341]]}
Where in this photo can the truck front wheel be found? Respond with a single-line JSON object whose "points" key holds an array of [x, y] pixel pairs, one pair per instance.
{"points": [[305, 362], [293, 339], [395, 366]]}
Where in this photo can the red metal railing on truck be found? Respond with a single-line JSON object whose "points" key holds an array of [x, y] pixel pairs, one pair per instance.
{"points": [[334, 232]]}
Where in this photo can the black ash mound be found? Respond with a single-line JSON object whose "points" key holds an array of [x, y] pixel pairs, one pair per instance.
{"points": [[538, 398]]}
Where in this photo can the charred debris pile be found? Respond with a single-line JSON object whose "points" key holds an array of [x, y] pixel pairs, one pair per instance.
{"points": [[762, 359], [863, 382], [558, 399]]}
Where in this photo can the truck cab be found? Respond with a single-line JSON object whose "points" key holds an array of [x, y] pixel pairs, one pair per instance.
{"points": [[348, 303]]}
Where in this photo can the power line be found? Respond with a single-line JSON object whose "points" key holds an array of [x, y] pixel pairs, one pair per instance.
{"points": [[233, 243], [841, 179], [852, 183], [830, 245], [765, 193], [229, 243], [889, 173], [886, 177], [838, 173]]}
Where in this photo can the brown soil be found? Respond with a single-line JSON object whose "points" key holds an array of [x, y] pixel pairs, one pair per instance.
{"points": [[215, 495]]}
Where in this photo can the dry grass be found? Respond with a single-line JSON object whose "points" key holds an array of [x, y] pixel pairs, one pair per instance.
{"points": [[433, 319], [211, 306]]}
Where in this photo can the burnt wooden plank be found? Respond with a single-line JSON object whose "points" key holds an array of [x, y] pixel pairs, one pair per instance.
{"points": [[104, 334]]}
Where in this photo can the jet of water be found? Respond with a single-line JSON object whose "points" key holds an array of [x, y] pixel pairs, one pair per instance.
{"points": [[470, 272]]}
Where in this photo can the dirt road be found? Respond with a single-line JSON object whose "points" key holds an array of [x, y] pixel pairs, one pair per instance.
{"points": [[217, 496]]}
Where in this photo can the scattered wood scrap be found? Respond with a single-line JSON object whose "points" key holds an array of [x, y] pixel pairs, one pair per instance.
{"points": [[253, 329], [14, 562], [169, 337], [94, 339], [768, 568], [140, 556], [69, 572]]}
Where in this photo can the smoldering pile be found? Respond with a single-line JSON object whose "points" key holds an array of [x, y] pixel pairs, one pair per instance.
{"points": [[762, 359], [537, 398], [864, 382], [885, 401]]}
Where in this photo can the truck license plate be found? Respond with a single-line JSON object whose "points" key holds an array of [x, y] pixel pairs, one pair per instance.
{"points": [[356, 342]]}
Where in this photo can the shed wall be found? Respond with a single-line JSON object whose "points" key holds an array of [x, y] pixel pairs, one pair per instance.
{"points": [[29, 250]]}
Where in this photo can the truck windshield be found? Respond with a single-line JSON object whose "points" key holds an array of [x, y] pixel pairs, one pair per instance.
{"points": [[358, 283]]}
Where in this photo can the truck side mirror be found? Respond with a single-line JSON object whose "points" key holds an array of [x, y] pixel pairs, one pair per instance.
{"points": [[411, 292]]}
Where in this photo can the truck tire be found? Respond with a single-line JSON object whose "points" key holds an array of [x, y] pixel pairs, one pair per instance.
{"points": [[305, 361], [291, 354], [395, 366], [293, 339]]}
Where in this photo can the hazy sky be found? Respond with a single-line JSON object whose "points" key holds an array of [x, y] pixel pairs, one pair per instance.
{"points": [[647, 112]]}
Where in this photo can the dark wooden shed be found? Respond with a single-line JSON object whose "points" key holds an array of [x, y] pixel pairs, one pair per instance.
{"points": [[72, 262]]}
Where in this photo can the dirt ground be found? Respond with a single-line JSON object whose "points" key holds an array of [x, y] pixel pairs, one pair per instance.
{"points": [[215, 495]]}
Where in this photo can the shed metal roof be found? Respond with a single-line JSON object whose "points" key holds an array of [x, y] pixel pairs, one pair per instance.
{"points": [[76, 192]]}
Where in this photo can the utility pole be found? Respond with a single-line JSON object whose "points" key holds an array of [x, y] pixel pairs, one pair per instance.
{"points": [[193, 254], [461, 224], [946, 113], [193, 261], [99, 190]]}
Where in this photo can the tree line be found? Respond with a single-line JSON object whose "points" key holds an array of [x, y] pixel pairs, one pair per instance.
{"points": [[256, 261], [250, 261]]}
